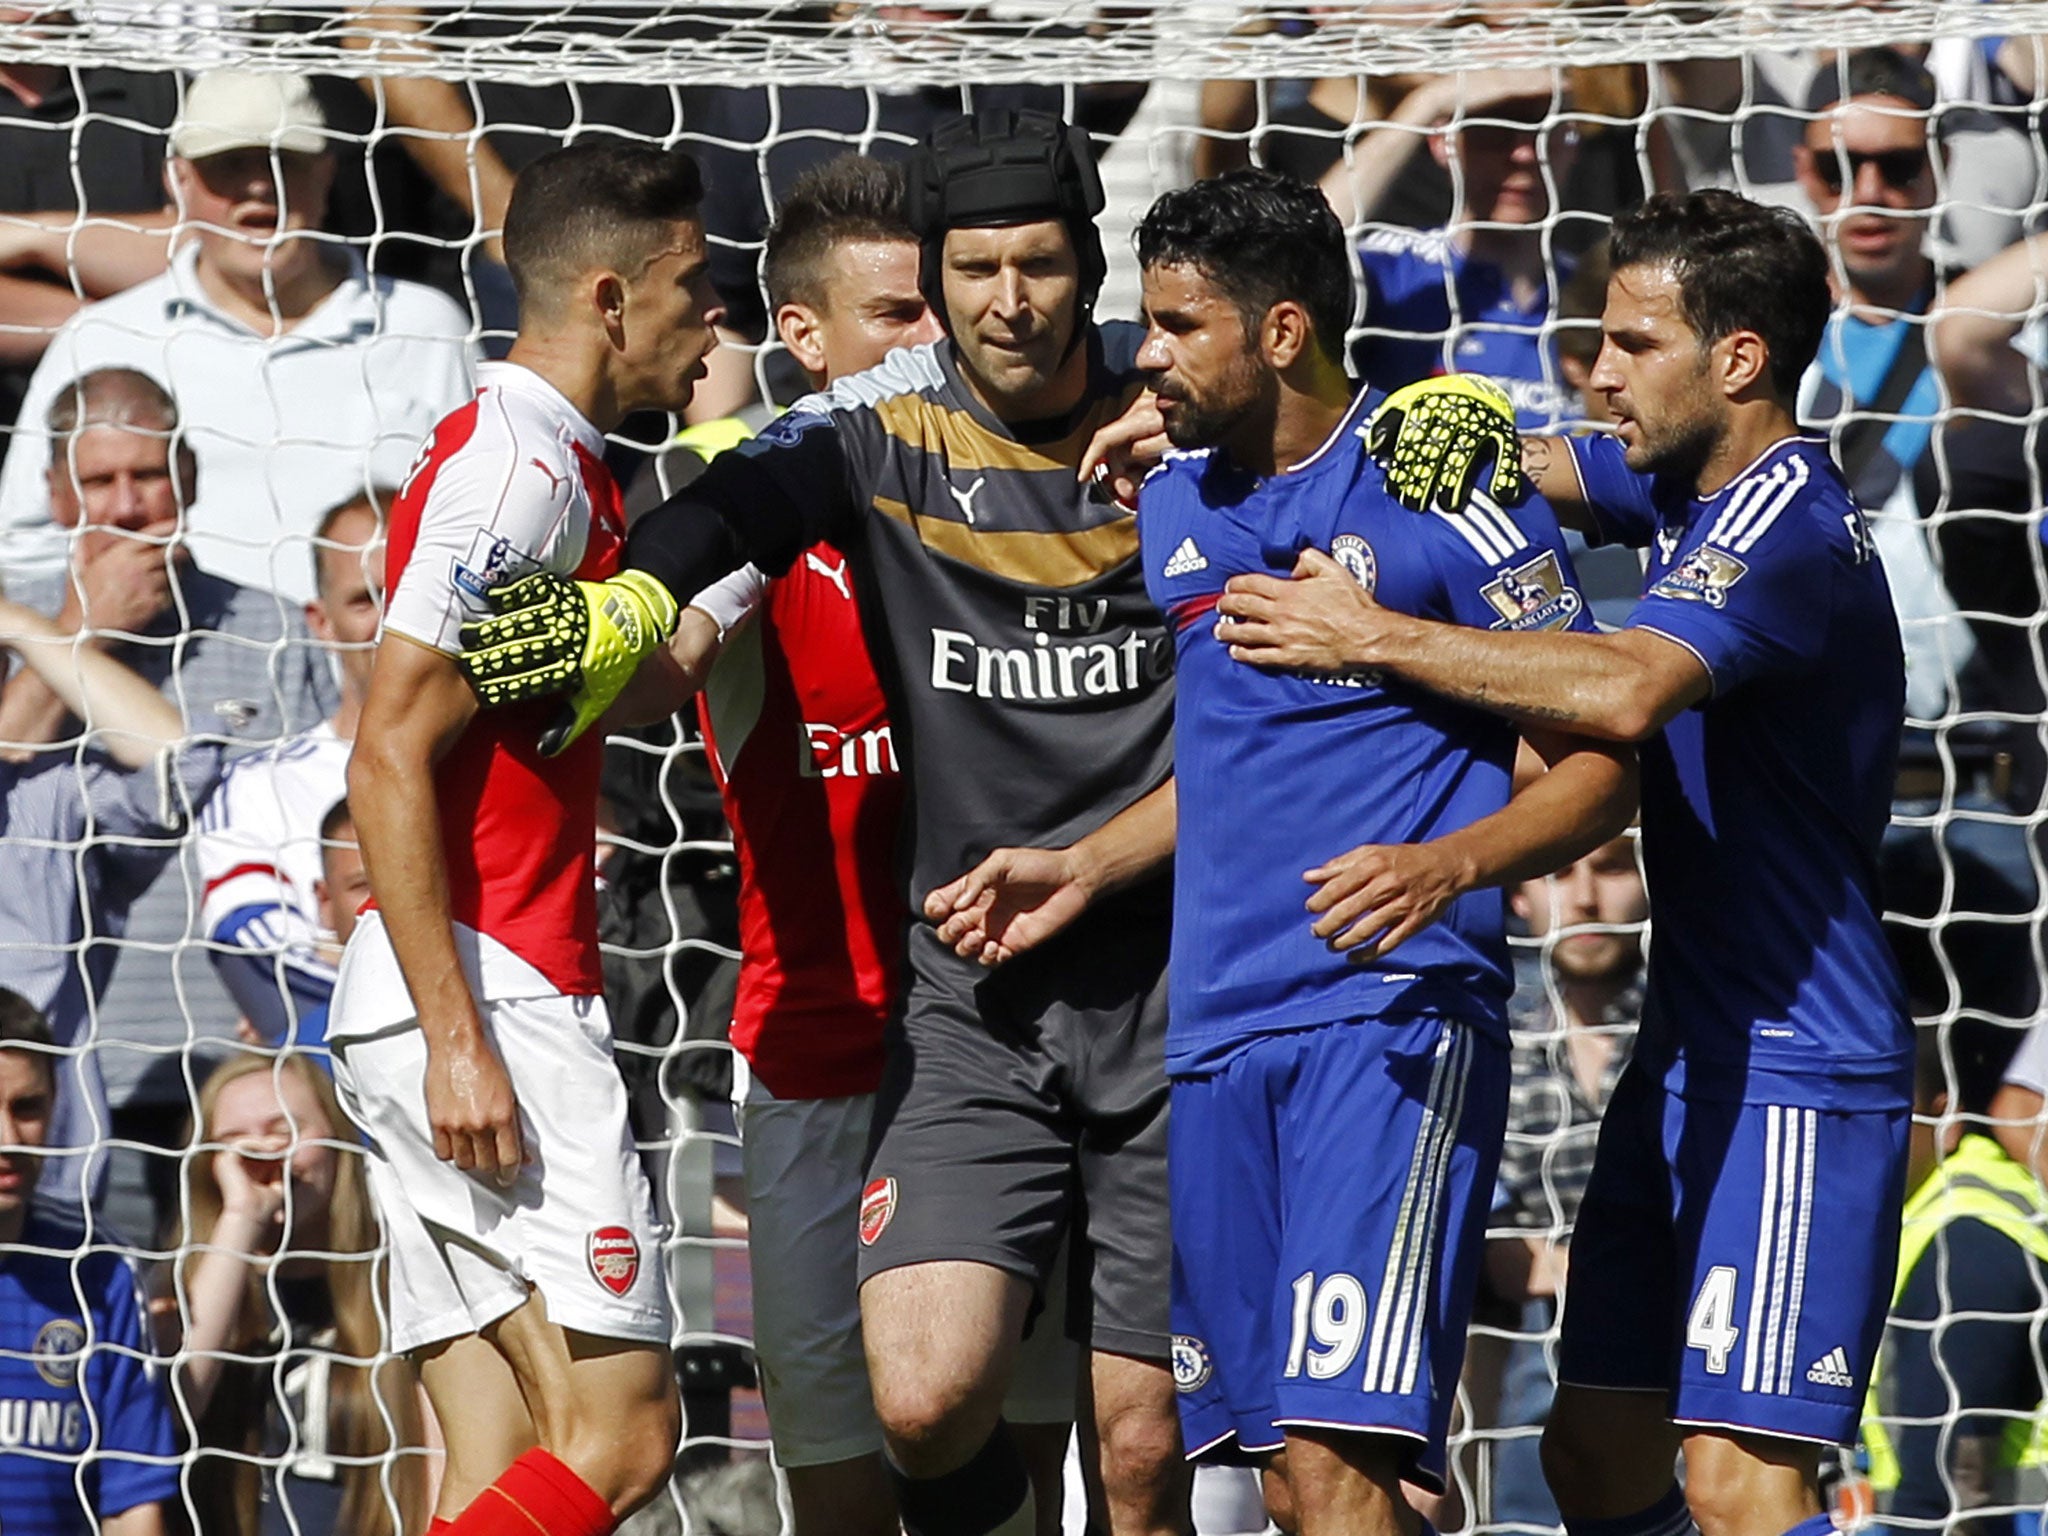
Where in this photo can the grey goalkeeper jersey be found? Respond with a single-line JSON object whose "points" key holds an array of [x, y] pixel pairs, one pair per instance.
{"points": [[1029, 677]]}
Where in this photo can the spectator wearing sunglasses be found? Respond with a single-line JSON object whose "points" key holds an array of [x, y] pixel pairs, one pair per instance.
{"points": [[1866, 164]]}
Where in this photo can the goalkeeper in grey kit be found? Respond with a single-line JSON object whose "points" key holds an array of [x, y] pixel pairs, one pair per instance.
{"points": [[1029, 680]]}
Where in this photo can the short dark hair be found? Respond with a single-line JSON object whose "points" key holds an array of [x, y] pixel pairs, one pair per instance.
{"points": [[1740, 266], [23, 1028], [1871, 72], [602, 201], [855, 197], [1262, 238]]}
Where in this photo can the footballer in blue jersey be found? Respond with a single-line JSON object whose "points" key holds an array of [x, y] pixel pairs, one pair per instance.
{"points": [[1734, 1254], [86, 1439], [1337, 1039]]}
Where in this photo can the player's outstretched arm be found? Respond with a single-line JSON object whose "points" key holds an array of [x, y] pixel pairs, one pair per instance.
{"points": [[1372, 899], [1616, 687], [418, 707], [1017, 898]]}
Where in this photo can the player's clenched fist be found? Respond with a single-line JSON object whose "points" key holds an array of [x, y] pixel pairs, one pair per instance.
{"points": [[548, 635], [1439, 439], [472, 1110], [1372, 899]]}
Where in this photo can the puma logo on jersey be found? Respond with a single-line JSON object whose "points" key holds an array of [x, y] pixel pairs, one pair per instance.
{"points": [[836, 574], [1186, 559], [966, 498], [555, 481], [1831, 1370]]}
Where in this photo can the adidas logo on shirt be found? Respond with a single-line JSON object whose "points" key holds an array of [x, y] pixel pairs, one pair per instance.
{"points": [[1832, 1370], [1186, 560]]}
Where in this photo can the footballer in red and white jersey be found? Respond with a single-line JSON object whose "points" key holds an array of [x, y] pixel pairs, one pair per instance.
{"points": [[798, 737], [512, 483]]}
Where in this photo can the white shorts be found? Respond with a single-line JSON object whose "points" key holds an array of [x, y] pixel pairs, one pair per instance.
{"points": [[577, 1224], [803, 1160]]}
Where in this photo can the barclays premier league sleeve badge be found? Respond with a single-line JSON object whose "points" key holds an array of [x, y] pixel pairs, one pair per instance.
{"points": [[1532, 595]]}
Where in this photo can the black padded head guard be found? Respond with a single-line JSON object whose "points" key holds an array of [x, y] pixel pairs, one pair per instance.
{"points": [[1004, 167]]}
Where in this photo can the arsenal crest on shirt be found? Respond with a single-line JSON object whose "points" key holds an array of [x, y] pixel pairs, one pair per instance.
{"points": [[614, 1258]]}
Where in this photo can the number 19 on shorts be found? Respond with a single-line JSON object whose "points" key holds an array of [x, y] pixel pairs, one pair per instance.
{"points": [[1710, 1326]]}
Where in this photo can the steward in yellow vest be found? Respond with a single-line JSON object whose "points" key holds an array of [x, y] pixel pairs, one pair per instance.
{"points": [[1954, 1418]]}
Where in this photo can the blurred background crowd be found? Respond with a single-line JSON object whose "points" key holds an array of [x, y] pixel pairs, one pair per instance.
{"points": [[233, 302]]}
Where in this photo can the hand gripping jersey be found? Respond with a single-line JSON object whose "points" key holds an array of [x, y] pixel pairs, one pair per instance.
{"points": [[799, 739], [85, 1423], [1281, 773], [1770, 979], [1029, 679], [511, 483]]}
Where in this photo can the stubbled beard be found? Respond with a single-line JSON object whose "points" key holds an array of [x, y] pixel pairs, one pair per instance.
{"points": [[1197, 426], [1205, 423], [1680, 452]]}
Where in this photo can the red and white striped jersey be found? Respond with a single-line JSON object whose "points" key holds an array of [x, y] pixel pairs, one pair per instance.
{"points": [[512, 483], [799, 738]]}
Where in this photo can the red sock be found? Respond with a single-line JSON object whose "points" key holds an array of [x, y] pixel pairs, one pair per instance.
{"points": [[537, 1496]]}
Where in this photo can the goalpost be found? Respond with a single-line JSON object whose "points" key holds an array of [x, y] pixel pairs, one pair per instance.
{"points": [[1660, 94]]}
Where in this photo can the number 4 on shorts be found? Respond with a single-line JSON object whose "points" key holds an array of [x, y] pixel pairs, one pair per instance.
{"points": [[1711, 1324]]}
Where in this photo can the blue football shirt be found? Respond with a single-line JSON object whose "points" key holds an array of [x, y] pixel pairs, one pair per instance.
{"points": [[1279, 773], [1769, 978], [1423, 293], [78, 1384]]}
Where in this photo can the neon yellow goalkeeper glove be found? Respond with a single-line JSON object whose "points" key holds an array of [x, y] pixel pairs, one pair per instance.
{"points": [[1442, 438], [548, 634]]}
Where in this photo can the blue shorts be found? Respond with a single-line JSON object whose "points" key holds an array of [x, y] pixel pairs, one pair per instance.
{"points": [[1330, 1192], [1738, 1258]]}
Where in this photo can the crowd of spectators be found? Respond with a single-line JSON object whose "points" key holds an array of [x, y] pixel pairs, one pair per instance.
{"points": [[209, 393]]}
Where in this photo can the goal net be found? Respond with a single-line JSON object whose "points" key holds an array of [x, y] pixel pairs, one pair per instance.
{"points": [[1476, 151]]}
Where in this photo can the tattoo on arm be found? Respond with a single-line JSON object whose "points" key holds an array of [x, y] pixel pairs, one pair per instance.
{"points": [[1537, 454]]}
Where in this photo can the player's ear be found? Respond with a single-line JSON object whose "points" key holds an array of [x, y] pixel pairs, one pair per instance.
{"points": [[608, 299], [1286, 334], [1743, 360], [797, 325]]}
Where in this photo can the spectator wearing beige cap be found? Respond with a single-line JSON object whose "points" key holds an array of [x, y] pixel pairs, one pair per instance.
{"points": [[301, 377]]}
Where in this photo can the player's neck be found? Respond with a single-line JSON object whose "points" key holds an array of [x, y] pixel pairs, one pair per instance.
{"points": [[576, 372], [1305, 413], [13, 1223], [1754, 428]]}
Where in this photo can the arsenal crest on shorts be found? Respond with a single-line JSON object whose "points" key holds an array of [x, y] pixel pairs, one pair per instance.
{"points": [[877, 1205], [614, 1258]]}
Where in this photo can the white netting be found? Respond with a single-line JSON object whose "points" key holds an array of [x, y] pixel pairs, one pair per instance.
{"points": [[1172, 90]]}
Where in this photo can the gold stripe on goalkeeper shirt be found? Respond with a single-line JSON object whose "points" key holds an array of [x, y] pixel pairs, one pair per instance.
{"points": [[1036, 559], [920, 422]]}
